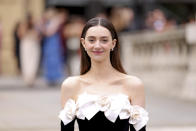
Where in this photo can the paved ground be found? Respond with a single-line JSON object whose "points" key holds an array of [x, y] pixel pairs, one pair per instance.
{"points": [[36, 109]]}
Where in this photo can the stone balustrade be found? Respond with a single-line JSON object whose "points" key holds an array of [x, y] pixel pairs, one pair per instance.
{"points": [[164, 60]]}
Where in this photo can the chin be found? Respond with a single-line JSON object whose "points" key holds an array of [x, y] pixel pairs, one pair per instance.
{"points": [[98, 59]]}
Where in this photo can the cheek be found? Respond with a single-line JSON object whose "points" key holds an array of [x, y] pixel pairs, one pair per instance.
{"points": [[89, 46], [107, 46]]}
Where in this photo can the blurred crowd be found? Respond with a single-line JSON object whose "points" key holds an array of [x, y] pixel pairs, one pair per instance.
{"points": [[50, 46]]}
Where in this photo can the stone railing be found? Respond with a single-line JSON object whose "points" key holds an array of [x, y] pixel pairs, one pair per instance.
{"points": [[164, 60]]}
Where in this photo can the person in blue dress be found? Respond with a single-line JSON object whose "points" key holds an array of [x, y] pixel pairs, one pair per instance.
{"points": [[53, 61]]}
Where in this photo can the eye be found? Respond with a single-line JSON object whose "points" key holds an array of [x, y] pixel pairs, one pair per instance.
{"points": [[91, 40], [104, 40]]}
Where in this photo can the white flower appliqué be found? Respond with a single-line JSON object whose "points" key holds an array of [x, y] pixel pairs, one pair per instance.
{"points": [[69, 111], [104, 102], [138, 117], [135, 114]]}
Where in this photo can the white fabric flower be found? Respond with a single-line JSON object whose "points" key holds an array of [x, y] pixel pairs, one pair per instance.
{"points": [[126, 110], [69, 112], [138, 117], [117, 103], [104, 102], [87, 106]]}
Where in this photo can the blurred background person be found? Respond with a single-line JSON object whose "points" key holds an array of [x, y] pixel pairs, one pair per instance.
{"points": [[64, 15], [17, 41], [29, 50], [159, 20], [149, 20], [1, 30], [53, 63], [72, 33], [122, 18]]}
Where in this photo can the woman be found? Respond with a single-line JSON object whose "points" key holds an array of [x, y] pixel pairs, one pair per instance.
{"points": [[103, 97], [52, 49], [29, 51]]}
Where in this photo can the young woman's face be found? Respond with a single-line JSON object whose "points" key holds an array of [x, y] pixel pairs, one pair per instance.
{"points": [[98, 43]]}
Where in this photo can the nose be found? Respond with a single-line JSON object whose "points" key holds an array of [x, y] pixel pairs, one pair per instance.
{"points": [[97, 45]]}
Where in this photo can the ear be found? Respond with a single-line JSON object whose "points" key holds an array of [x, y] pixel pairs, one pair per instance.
{"points": [[114, 43], [82, 42]]}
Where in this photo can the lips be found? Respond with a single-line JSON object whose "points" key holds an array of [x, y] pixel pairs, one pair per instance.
{"points": [[97, 52]]}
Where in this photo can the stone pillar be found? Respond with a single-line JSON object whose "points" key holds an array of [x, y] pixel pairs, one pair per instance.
{"points": [[36, 7], [10, 12], [189, 89]]}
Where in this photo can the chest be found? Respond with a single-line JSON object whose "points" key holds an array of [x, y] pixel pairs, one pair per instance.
{"points": [[102, 88]]}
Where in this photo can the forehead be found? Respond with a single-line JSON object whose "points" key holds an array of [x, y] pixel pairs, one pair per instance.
{"points": [[98, 31]]}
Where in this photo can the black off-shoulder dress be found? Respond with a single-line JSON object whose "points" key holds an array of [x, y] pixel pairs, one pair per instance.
{"points": [[103, 113]]}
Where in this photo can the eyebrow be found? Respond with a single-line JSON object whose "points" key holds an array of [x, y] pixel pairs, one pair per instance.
{"points": [[95, 37]]}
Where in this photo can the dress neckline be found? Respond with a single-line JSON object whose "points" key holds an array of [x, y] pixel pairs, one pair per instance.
{"points": [[101, 95]]}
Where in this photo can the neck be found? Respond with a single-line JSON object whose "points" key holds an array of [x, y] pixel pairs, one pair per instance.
{"points": [[101, 70]]}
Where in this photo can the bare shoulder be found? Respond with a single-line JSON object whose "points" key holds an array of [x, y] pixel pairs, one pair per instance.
{"points": [[70, 85], [70, 82], [133, 82], [69, 89], [135, 90]]}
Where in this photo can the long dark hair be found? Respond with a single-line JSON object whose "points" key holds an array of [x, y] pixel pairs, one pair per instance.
{"points": [[114, 55]]}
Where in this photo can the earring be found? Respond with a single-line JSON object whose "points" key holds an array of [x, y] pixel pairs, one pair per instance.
{"points": [[112, 49]]}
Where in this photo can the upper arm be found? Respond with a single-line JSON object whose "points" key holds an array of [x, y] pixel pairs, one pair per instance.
{"points": [[68, 90], [136, 93]]}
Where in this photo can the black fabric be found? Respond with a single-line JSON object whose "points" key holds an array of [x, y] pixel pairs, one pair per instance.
{"points": [[68, 127], [133, 129], [100, 123]]}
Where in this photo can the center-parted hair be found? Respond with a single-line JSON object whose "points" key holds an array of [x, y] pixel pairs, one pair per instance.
{"points": [[114, 55]]}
